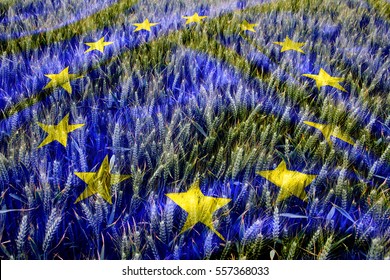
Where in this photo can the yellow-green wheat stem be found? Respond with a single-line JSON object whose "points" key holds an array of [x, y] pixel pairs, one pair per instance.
{"points": [[382, 7]]}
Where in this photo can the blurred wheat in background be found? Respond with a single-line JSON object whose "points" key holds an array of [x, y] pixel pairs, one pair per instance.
{"points": [[195, 129]]}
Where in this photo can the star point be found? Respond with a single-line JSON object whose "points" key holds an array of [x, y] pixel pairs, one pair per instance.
{"points": [[290, 182], [246, 26], [194, 18], [200, 208], [324, 79], [288, 45], [62, 79], [99, 182], [145, 25], [58, 132], [98, 45], [329, 130]]}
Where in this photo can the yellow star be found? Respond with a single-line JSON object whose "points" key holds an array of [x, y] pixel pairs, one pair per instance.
{"points": [[194, 18], [58, 132], [246, 26], [330, 130], [290, 182], [200, 208], [288, 44], [324, 79], [98, 45], [62, 79], [145, 25], [100, 182]]}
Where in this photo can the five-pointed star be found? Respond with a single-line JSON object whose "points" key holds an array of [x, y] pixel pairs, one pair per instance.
{"points": [[98, 45], [100, 182], [58, 132], [145, 25], [194, 18], [290, 182], [324, 79], [288, 44], [246, 26], [62, 79], [200, 208], [329, 130]]}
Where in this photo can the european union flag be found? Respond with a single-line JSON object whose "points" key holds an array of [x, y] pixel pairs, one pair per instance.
{"points": [[180, 130]]}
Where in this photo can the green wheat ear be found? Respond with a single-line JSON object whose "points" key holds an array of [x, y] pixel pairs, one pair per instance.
{"points": [[226, 144]]}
